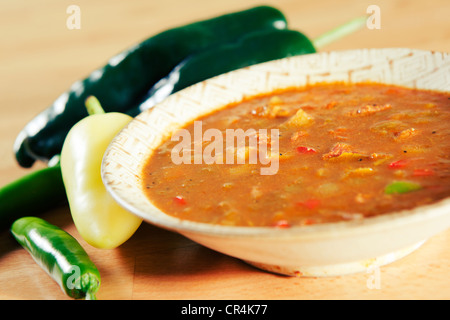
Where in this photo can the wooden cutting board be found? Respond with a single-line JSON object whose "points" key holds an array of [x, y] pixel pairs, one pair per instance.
{"points": [[41, 58], [158, 264]]}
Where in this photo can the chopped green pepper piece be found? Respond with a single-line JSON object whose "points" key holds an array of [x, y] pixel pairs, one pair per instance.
{"points": [[402, 187]]}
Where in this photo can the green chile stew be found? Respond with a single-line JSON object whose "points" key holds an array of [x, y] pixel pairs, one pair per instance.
{"points": [[346, 152]]}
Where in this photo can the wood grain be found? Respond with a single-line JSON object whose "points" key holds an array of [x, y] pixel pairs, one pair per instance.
{"points": [[40, 58]]}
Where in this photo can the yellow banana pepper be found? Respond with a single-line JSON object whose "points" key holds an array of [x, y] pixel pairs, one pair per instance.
{"points": [[99, 219]]}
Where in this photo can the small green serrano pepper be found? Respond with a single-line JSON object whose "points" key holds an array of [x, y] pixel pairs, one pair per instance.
{"points": [[60, 255], [37, 192], [128, 76]]}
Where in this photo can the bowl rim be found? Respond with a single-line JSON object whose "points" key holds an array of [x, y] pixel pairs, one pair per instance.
{"points": [[391, 220], [328, 230]]}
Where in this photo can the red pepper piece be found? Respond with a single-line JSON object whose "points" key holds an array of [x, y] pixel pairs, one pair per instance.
{"points": [[282, 224], [310, 204], [437, 188], [305, 150], [423, 172], [179, 200], [398, 164], [308, 222]]}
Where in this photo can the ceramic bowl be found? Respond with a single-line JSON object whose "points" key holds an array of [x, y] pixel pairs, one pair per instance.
{"points": [[316, 250]]}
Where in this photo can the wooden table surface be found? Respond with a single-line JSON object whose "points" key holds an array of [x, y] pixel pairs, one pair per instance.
{"points": [[40, 58]]}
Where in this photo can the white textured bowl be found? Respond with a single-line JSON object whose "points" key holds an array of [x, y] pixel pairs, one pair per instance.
{"points": [[317, 250]]}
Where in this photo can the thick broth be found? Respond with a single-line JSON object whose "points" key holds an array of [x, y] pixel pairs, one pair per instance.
{"points": [[346, 151]]}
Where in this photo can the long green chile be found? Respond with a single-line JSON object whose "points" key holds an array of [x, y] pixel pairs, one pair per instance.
{"points": [[256, 47], [36, 192]]}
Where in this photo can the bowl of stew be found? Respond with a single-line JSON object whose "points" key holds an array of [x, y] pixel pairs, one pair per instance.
{"points": [[316, 165]]}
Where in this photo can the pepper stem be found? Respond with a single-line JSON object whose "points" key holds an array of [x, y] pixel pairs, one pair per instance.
{"points": [[93, 106], [90, 296], [339, 32]]}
